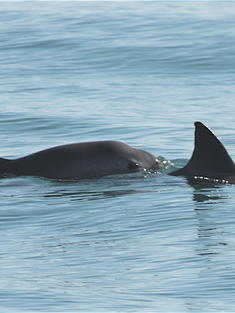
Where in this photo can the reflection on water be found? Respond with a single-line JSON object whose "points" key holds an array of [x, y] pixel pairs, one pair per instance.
{"points": [[89, 195], [207, 192], [198, 197], [95, 189], [210, 239], [209, 199], [210, 232]]}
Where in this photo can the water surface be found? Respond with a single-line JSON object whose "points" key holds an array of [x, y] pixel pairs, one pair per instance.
{"points": [[142, 73]]}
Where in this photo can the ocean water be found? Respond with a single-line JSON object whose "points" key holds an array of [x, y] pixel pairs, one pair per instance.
{"points": [[142, 73]]}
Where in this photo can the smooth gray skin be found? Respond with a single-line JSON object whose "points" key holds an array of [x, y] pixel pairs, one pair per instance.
{"points": [[81, 160], [210, 161]]}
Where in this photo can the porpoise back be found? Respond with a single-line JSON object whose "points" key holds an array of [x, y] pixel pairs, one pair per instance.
{"points": [[81, 160]]}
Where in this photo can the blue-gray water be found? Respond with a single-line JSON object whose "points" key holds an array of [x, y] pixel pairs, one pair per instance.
{"points": [[142, 73]]}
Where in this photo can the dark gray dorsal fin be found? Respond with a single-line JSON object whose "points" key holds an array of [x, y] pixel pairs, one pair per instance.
{"points": [[4, 165], [209, 155]]}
